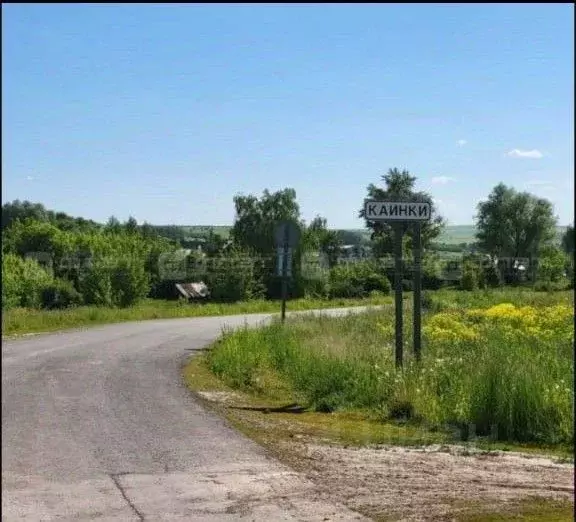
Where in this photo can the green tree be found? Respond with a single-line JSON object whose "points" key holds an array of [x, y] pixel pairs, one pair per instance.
{"points": [[318, 237], [22, 210], [232, 277], [551, 264], [113, 225], [214, 243], [148, 231], [400, 186], [131, 226], [38, 239], [23, 281], [256, 219], [512, 225], [568, 240], [253, 232], [115, 281]]}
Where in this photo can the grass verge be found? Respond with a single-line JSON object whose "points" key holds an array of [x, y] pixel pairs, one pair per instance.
{"points": [[502, 373], [529, 510], [276, 423], [24, 321], [273, 417]]}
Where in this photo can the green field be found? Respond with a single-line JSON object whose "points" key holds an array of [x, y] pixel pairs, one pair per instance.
{"points": [[452, 234]]}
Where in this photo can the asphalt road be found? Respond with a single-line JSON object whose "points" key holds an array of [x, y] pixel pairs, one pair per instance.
{"points": [[97, 425]]}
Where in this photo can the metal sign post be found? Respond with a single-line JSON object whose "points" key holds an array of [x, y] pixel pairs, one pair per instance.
{"points": [[400, 213], [287, 237], [417, 290], [398, 233], [284, 294]]}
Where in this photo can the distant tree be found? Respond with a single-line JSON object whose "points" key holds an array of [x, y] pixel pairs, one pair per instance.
{"points": [[328, 242], [512, 225], [400, 186], [21, 210], [214, 243], [131, 226], [256, 219], [148, 231], [36, 238], [113, 225], [253, 231], [352, 237]]}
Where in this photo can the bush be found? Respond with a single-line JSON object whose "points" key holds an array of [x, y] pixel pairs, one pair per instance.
{"points": [[95, 283], [130, 282], [232, 278], [552, 265], [357, 280], [552, 286], [491, 276], [314, 288], [22, 282], [60, 294], [115, 282], [470, 276]]}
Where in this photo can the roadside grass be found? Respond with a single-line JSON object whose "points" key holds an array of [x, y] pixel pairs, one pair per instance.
{"points": [[273, 421], [494, 378], [22, 321], [273, 418], [453, 299], [501, 374], [534, 509]]}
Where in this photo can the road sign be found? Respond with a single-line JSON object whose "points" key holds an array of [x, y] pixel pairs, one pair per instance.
{"points": [[280, 261], [401, 213], [288, 263], [397, 211], [284, 262], [287, 234]]}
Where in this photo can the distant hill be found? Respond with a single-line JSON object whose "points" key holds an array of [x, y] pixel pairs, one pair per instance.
{"points": [[452, 234], [455, 234]]}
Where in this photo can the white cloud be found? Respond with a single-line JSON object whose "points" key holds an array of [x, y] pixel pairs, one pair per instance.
{"points": [[461, 143], [442, 180], [30, 178], [517, 153]]}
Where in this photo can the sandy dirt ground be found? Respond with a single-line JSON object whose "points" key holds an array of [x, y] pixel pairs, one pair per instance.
{"points": [[432, 483]]}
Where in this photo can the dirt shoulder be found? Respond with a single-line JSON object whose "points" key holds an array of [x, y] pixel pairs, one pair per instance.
{"points": [[436, 481]]}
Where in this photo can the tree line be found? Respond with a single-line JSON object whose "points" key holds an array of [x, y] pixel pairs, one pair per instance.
{"points": [[53, 260]]}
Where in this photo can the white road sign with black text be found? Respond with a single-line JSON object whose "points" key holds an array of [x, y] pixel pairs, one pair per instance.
{"points": [[396, 211]]}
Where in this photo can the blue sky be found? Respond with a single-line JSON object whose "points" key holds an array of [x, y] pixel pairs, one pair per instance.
{"points": [[165, 112]]}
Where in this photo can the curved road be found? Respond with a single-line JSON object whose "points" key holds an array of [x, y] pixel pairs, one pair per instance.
{"points": [[97, 425]]}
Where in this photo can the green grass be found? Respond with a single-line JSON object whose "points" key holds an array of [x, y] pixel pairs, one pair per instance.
{"points": [[257, 416], [535, 509], [497, 386], [447, 299], [22, 321]]}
